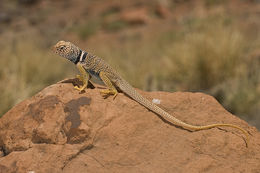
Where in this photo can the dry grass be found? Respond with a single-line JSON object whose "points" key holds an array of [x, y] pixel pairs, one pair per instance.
{"points": [[26, 69], [218, 59]]}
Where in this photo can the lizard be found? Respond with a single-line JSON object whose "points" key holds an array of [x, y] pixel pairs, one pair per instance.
{"points": [[90, 65]]}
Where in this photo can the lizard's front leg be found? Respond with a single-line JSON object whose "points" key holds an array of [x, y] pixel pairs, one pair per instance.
{"points": [[84, 77], [78, 76], [111, 88]]}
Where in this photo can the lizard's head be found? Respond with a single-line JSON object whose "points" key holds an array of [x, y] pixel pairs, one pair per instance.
{"points": [[67, 50]]}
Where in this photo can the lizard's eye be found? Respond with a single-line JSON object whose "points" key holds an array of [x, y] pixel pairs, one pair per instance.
{"points": [[62, 47]]}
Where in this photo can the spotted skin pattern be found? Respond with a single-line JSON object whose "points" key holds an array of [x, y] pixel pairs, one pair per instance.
{"points": [[90, 65]]}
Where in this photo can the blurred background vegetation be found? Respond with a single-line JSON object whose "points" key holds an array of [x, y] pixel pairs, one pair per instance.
{"points": [[210, 46]]}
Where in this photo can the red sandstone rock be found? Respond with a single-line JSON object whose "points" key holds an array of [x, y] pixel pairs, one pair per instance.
{"points": [[60, 130]]}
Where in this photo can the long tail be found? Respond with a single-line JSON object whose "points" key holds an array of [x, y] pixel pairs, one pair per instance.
{"points": [[131, 92]]}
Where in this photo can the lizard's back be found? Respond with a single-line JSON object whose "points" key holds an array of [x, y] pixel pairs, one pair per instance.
{"points": [[94, 65]]}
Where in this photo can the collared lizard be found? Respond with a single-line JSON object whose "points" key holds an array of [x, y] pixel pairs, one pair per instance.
{"points": [[90, 65]]}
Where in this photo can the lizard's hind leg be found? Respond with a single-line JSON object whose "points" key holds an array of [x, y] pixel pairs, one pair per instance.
{"points": [[111, 88]]}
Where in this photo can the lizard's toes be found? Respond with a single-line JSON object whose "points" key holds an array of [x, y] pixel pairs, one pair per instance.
{"points": [[114, 96], [79, 88], [107, 92]]}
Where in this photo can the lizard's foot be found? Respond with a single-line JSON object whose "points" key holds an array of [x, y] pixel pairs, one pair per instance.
{"points": [[108, 92], [81, 88]]}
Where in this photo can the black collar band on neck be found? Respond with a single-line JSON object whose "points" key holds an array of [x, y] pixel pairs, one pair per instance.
{"points": [[78, 57], [84, 56]]}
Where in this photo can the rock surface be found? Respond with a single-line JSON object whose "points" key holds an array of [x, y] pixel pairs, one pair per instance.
{"points": [[60, 130]]}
